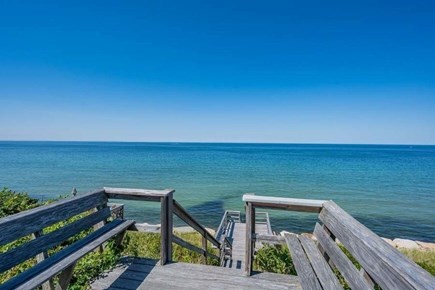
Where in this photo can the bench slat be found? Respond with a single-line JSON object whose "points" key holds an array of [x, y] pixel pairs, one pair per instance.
{"points": [[385, 264], [324, 273], [306, 274], [50, 240], [30, 221], [344, 265], [43, 271]]}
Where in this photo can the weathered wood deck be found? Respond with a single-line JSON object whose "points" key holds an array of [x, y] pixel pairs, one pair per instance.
{"points": [[237, 235], [139, 273]]}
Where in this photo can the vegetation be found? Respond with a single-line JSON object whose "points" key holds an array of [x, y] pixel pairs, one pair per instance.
{"points": [[274, 259], [148, 245], [14, 202], [425, 259]]}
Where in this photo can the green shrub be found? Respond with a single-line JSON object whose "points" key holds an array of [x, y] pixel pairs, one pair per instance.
{"points": [[12, 202], [274, 259], [148, 245]]}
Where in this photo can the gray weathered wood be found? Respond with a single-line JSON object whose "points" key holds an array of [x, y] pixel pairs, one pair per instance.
{"points": [[193, 248], [45, 242], [166, 229], [343, 264], [385, 264], [30, 221], [293, 204], [188, 219], [250, 241], [204, 247], [303, 268], [43, 271], [137, 194], [65, 277], [324, 273], [49, 285], [185, 276], [269, 239]]}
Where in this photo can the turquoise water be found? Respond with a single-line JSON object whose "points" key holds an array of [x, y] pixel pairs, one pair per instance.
{"points": [[391, 189]]}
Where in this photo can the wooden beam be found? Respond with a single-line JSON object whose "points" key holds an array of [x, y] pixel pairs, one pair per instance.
{"points": [[343, 264], [250, 238], [65, 277], [137, 194], [30, 221], [191, 247], [292, 204], [188, 219], [49, 285], [269, 239], [386, 265], [303, 267], [45, 242]]}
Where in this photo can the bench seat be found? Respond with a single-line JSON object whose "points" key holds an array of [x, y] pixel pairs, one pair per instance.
{"points": [[51, 266], [40, 230], [379, 263]]}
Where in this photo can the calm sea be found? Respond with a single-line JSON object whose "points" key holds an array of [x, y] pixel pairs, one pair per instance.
{"points": [[391, 189]]}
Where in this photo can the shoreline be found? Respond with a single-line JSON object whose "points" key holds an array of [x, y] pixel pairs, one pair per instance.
{"points": [[398, 243]]}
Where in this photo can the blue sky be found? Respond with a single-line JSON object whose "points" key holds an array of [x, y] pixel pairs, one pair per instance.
{"points": [[234, 71]]}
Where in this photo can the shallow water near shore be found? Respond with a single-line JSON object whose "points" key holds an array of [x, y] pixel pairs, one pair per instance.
{"points": [[391, 189]]}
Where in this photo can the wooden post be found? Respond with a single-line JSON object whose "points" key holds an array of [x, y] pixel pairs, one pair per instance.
{"points": [[166, 228], [250, 241], [65, 277], [204, 247], [49, 285]]}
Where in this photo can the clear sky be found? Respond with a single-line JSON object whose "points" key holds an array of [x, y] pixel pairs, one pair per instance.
{"points": [[224, 71]]}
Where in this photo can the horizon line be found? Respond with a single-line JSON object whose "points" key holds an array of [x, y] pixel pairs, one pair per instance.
{"points": [[220, 142]]}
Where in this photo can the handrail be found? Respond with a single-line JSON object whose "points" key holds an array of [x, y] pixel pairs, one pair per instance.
{"points": [[187, 218], [293, 204], [170, 206], [222, 225], [222, 244], [266, 220]]}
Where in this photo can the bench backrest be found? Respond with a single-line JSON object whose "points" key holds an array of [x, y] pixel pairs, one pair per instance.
{"points": [[389, 268], [34, 221]]}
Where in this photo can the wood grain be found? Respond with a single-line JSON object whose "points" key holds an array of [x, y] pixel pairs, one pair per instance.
{"points": [[303, 267], [324, 273], [43, 271], [30, 221], [343, 264], [385, 264], [45, 242]]}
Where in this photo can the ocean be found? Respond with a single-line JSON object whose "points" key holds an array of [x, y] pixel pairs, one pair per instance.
{"points": [[389, 188]]}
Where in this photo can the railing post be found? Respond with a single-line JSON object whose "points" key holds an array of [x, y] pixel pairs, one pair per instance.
{"points": [[166, 228], [250, 242], [204, 247]]}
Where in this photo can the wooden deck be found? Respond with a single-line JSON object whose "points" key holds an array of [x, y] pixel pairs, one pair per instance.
{"points": [[139, 273], [237, 235]]}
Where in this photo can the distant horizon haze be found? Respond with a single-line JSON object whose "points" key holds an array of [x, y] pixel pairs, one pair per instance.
{"points": [[217, 142]]}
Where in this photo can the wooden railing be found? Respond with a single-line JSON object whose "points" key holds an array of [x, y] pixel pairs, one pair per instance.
{"points": [[252, 202], [262, 217], [206, 236], [170, 207], [230, 216]]}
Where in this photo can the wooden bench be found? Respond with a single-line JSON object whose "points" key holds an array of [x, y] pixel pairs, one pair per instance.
{"points": [[317, 262], [34, 221]]}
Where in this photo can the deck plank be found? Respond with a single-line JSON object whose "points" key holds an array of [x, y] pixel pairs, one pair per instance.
{"points": [[137, 273]]}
